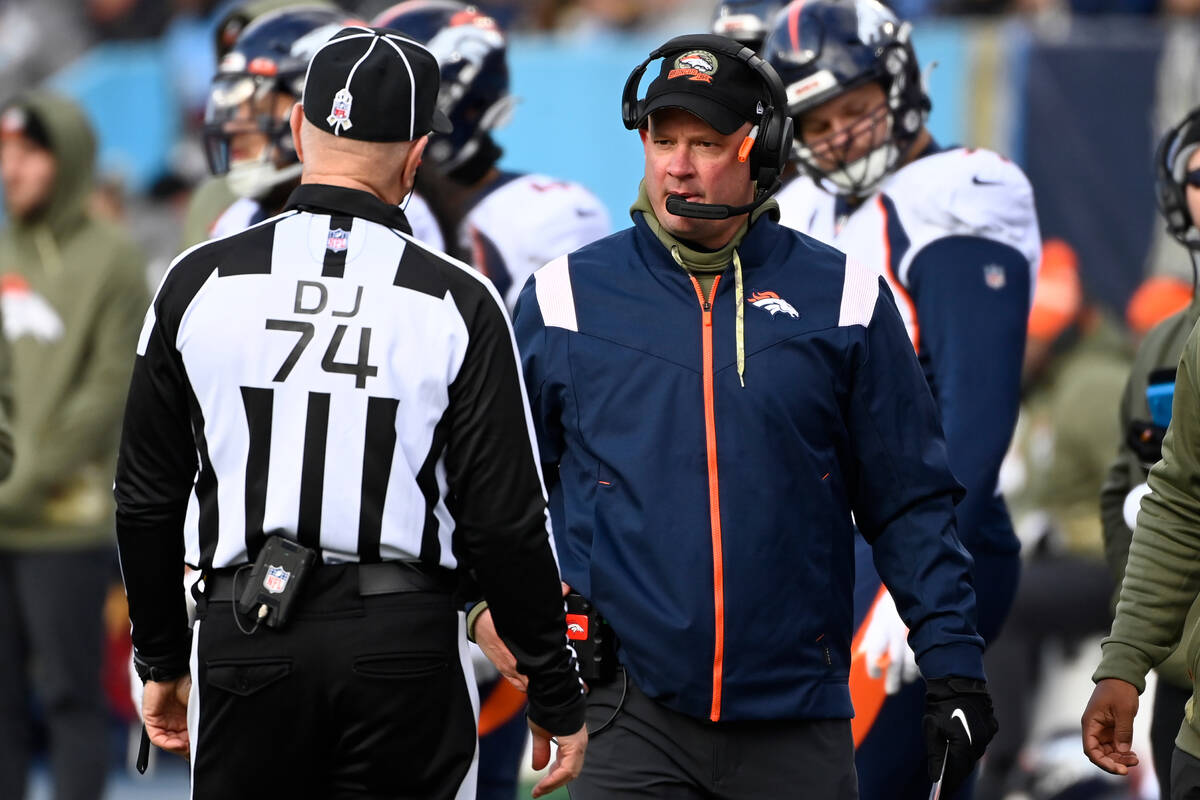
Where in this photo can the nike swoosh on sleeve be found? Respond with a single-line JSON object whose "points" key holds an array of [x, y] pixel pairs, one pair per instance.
{"points": [[980, 182]]}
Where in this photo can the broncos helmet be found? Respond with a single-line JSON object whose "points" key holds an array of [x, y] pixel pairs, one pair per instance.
{"points": [[823, 48], [471, 51], [745, 21], [230, 26], [257, 82], [1170, 172]]}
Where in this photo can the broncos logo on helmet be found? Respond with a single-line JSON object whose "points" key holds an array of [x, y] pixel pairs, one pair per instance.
{"points": [[472, 57]]}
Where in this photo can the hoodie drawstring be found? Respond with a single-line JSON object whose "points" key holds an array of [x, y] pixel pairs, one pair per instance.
{"points": [[741, 318]]}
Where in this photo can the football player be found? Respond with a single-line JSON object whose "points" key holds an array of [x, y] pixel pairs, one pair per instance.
{"points": [[505, 224], [954, 232]]}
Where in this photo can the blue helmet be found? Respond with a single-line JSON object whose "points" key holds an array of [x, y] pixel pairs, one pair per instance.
{"points": [[823, 48], [257, 80], [745, 21], [470, 49], [1176, 148]]}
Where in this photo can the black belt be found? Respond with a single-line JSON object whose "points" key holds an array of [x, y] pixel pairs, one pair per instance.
{"points": [[388, 577]]}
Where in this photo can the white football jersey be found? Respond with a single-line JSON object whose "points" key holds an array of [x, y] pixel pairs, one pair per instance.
{"points": [[245, 212], [955, 192], [523, 222]]}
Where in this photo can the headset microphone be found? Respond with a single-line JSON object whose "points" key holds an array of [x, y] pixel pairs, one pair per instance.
{"points": [[683, 208]]}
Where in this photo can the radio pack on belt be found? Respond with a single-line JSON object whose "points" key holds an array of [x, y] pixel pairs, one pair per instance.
{"points": [[593, 640], [275, 581]]}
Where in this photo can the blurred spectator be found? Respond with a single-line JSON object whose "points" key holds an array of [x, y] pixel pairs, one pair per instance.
{"points": [[73, 296], [36, 38], [1076, 363]]}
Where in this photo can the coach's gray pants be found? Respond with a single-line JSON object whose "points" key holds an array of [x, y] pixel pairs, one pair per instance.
{"points": [[650, 751]]}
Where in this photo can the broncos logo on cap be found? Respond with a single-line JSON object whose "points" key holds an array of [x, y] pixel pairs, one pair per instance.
{"points": [[772, 302], [696, 65]]}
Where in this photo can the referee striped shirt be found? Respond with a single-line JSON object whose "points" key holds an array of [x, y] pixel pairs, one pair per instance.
{"points": [[325, 376]]}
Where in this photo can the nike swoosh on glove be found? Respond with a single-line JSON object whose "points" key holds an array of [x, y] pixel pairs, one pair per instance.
{"points": [[959, 723]]}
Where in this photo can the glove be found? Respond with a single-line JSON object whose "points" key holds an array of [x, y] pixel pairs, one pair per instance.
{"points": [[885, 645], [958, 724]]}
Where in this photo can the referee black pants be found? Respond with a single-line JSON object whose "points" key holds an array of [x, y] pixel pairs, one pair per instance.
{"points": [[641, 749], [356, 697]]}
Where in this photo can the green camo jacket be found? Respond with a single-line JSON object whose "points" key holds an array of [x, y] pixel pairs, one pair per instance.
{"points": [[75, 294], [1162, 575], [1160, 349]]}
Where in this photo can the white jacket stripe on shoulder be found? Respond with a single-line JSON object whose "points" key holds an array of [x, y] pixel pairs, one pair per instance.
{"points": [[860, 291], [554, 295]]}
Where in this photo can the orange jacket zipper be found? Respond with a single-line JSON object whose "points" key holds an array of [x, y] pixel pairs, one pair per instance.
{"points": [[714, 495]]}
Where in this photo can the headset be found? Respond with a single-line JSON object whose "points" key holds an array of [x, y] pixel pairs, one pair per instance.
{"points": [[770, 140], [1170, 159]]}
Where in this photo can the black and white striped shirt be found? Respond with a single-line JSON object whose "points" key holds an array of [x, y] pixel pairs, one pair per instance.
{"points": [[325, 376]]}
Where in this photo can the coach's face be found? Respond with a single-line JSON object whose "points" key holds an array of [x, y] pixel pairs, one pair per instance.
{"points": [[688, 157], [28, 171]]}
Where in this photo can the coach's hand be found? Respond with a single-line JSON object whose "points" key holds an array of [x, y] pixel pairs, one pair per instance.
{"points": [[1108, 726], [568, 763], [164, 709], [497, 651]]}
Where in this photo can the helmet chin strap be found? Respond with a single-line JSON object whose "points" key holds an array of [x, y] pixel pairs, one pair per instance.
{"points": [[254, 179]]}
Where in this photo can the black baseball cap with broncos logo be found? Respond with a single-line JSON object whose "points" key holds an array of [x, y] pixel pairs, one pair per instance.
{"points": [[722, 90]]}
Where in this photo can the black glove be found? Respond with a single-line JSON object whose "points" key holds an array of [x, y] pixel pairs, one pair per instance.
{"points": [[958, 723]]}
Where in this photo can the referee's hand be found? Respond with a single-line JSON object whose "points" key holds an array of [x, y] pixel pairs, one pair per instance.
{"points": [[567, 764], [164, 709]]}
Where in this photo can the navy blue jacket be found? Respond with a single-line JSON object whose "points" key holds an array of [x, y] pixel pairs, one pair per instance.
{"points": [[710, 522]]}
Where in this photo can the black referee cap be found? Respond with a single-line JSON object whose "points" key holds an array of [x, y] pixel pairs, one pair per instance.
{"points": [[375, 85]]}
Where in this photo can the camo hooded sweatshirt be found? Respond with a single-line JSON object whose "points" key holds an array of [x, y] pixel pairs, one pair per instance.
{"points": [[73, 293], [1162, 575]]}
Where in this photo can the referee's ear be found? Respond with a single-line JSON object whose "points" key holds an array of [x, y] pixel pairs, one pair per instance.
{"points": [[412, 160], [296, 121]]}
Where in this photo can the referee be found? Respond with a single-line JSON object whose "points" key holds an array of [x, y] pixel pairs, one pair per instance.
{"points": [[327, 419]]}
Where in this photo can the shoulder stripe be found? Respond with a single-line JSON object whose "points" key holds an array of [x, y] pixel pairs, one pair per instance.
{"points": [[552, 283], [859, 294]]}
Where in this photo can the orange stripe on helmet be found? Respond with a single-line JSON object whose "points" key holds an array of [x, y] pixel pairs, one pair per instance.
{"points": [[794, 23]]}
